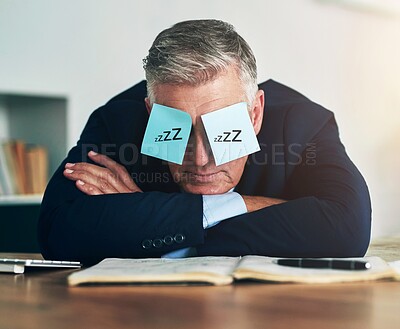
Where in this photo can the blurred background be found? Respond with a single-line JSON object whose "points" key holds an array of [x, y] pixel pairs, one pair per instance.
{"points": [[60, 60]]}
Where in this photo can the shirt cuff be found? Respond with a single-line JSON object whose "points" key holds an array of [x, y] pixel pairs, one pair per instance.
{"points": [[219, 207], [181, 253]]}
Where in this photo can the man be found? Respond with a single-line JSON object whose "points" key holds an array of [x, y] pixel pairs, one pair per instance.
{"points": [[300, 195]]}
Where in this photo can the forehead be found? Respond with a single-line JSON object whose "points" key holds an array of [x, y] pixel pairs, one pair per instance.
{"points": [[226, 89]]}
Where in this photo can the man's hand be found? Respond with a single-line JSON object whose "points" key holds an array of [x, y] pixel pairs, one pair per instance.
{"points": [[254, 203], [110, 177]]}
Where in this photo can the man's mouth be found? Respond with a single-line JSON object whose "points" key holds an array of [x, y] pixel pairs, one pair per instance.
{"points": [[202, 178]]}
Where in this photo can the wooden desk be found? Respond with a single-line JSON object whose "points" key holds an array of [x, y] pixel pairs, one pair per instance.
{"points": [[43, 300]]}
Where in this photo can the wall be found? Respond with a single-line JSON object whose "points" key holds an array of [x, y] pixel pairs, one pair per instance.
{"points": [[341, 57]]}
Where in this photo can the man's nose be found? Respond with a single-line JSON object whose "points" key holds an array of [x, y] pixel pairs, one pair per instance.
{"points": [[201, 150]]}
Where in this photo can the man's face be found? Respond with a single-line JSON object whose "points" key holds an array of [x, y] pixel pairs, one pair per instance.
{"points": [[198, 173]]}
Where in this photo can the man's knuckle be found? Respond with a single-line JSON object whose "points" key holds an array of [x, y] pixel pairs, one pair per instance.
{"points": [[81, 165], [121, 171], [104, 185]]}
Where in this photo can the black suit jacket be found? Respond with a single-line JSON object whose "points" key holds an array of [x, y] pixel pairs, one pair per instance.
{"points": [[301, 159]]}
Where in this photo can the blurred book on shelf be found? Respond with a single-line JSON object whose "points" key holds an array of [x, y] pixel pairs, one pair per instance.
{"points": [[23, 168]]}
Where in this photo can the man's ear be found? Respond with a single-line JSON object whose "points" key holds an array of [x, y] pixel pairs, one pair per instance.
{"points": [[257, 112], [148, 105]]}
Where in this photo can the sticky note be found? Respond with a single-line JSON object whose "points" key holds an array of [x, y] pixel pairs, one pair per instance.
{"points": [[167, 134], [230, 133]]}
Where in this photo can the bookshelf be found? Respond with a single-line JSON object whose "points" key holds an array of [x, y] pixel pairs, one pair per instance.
{"points": [[36, 119]]}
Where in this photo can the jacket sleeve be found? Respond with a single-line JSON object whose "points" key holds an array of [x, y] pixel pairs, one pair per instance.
{"points": [[328, 213], [75, 226]]}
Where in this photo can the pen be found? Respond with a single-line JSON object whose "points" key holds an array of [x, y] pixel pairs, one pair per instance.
{"points": [[336, 264]]}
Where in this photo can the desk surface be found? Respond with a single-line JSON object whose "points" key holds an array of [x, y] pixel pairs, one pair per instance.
{"points": [[42, 299]]}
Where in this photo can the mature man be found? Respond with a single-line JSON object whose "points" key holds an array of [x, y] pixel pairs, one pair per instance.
{"points": [[300, 195]]}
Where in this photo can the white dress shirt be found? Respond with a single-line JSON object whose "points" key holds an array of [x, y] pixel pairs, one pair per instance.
{"points": [[216, 208]]}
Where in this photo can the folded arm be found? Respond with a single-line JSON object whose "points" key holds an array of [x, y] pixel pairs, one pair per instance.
{"points": [[328, 212], [77, 226]]}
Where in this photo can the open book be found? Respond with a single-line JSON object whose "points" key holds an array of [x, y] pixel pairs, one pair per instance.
{"points": [[219, 271]]}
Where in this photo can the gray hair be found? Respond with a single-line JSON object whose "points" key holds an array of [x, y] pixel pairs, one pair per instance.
{"points": [[195, 52]]}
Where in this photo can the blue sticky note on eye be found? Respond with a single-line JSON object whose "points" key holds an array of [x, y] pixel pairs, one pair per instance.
{"points": [[167, 134], [230, 133]]}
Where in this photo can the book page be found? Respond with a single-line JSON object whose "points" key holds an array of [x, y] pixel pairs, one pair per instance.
{"points": [[265, 268], [215, 270], [396, 267]]}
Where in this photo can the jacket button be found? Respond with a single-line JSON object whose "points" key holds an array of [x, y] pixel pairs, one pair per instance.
{"points": [[168, 240], [179, 238], [146, 244], [157, 243]]}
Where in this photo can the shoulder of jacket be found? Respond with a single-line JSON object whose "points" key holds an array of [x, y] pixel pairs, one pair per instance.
{"points": [[292, 108]]}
